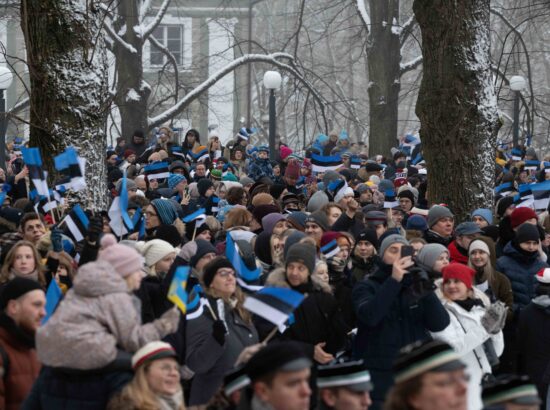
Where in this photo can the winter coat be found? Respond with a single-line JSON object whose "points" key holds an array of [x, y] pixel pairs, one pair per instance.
{"points": [[534, 328], [260, 168], [466, 335], [97, 316], [23, 365], [521, 271], [318, 318], [457, 253], [433, 237], [363, 268], [389, 317], [207, 358]]}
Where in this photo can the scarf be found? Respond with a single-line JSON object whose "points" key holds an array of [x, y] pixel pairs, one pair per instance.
{"points": [[173, 402], [468, 303], [33, 275]]}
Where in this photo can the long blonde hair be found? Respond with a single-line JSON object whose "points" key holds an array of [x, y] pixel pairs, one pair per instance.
{"points": [[236, 300]]}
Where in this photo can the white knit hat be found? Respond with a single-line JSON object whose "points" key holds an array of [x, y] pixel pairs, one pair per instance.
{"points": [[152, 351], [543, 275], [154, 250], [478, 245]]}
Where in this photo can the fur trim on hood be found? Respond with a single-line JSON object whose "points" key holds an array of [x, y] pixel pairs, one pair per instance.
{"points": [[277, 278]]}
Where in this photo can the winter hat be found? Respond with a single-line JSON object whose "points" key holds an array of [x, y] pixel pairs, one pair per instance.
{"points": [[263, 148], [459, 272], [504, 204], [543, 275], [374, 218], [297, 220], [478, 245], [15, 288], [203, 247], [154, 250], [485, 214], [165, 210], [385, 185], [292, 239], [407, 193], [438, 212], [303, 253], [292, 169], [417, 223], [168, 233], [319, 218], [129, 152], [276, 190], [520, 215], [130, 184], [330, 176], [124, 259], [263, 198], [368, 235], [230, 177], [246, 181], [270, 220], [284, 152], [176, 165], [317, 201], [188, 251], [527, 232], [467, 228], [262, 210], [428, 255], [204, 185], [174, 180], [328, 237], [152, 351], [342, 193], [212, 267], [390, 240]]}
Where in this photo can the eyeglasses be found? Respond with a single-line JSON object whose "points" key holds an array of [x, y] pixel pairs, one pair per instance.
{"points": [[225, 272]]}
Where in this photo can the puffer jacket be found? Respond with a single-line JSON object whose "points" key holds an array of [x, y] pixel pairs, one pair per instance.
{"points": [[260, 168], [97, 316], [521, 271], [466, 335]]}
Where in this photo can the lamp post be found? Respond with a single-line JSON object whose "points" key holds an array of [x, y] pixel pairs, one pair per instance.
{"points": [[272, 81], [517, 84], [6, 78]]}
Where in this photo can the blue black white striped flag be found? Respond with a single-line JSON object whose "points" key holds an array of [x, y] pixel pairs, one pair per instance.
{"points": [[233, 255], [331, 249], [323, 163], [33, 161], [274, 304], [70, 165], [156, 170], [77, 223]]}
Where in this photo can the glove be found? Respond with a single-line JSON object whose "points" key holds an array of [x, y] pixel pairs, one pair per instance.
{"points": [[57, 239], [337, 264], [218, 331], [168, 322], [495, 317], [95, 228]]}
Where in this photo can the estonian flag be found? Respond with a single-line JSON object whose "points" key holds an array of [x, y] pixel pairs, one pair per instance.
{"points": [[233, 255], [390, 201], [504, 189], [274, 304], [517, 154], [53, 296], [138, 221], [45, 205], [77, 223], [212, 205], [199, 214], [177, 151], [532, 165], [177, 293], [68, 163], [331, 249], [156, 170], [525, 197], [33, 161], [546, 167], [321, 163], [541, 195], [355, 162]]}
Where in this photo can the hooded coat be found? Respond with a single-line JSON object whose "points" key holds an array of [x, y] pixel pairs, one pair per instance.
{"points": [[389, 317]]}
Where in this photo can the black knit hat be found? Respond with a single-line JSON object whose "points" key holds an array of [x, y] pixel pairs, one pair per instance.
{"points": [[203, 185], [212, 267], [203, 247], [277, 357], [504, 204], [368, 235], [427, 356], [526, 232], [406, 193], [510, 389], [16, 288], [168, 233], [303, 253]]}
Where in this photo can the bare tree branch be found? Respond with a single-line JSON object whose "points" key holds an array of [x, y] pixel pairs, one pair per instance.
{"points": [[149, 28], [365, 18], [410, 65], [173, 61]]}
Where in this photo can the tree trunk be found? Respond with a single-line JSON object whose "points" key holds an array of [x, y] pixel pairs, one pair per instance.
{"points": [[456, 103], [384, 56], [68, 93]]}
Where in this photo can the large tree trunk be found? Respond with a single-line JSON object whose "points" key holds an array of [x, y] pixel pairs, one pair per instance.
{"points": [[456, 103], [68, 94], [384, 56]]}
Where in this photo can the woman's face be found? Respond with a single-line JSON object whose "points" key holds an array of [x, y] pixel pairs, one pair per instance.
{"points": [[224, 282], [321, 271], [163, 376], [133, 281], [280, 227], [441, 262], [296, 273], [277, 170], [222, 192], [479, 258], [455, 289], [333, 214], [164, 264], [61, 271], [24, 262]]}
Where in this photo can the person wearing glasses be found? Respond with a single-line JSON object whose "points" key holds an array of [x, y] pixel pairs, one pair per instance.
{"points": [[217, 337]]}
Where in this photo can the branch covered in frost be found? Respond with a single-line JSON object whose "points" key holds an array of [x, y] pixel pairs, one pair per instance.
{"points": [[21, 105], [410, 65], [114, 36], [144, 9], [173, 61], [362, 9], [406, 29], [149, 28]]}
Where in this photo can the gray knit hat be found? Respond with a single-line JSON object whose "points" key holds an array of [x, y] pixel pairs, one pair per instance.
{"points": [[390, 240], [317, 201], [427, 256], [319, 218], [438, 212], [303, 253]]}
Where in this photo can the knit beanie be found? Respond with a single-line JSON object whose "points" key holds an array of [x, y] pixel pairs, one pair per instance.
{"points": [[317, 201], [385, 185], [292, 169], [504, 204], [276, 190], [263, 198], [459, 272], [124, 259], [188, 251], [319, 218], [212, 267], [368, 235], [303, 253], [203, 247], [152, 351], [478, 245], [527, 232], [270, 220], [298, 220], [330, 176], [216, 175], [342, 193], [438, 212], [260, 211], [204, 185], [16, 288], [130, 184], [154, 250], [168, 233], [292, 239], [174, 180], [485, 214], [165, 210], [390, 240], [520, 215], [417, 223], [407, 193], [284, 152], [428, 255]]}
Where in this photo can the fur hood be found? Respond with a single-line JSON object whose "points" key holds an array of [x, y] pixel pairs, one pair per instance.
{"points": [[277, 278]]}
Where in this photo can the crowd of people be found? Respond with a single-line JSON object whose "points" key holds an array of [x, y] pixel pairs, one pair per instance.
{"points": [[404, 307]]}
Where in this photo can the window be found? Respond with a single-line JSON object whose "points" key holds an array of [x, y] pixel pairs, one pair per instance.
{"points": [[171, 36]]}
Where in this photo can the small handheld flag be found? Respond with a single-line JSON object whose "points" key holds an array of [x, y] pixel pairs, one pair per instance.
{"points": [[33, 161], [53, 296], [274, 304], [233, 255], [77, 222], [177, 293]]}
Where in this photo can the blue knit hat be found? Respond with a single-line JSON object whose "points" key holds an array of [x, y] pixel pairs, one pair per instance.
{"points": [[264, 148], [417, 223], [165, 210], [174, 180], [485, 214]]}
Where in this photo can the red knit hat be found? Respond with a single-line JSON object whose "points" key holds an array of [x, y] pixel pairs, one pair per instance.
{"points": [[292, 169], [520, 215], [329, 237], [459, 272], [129, 152], [284, 151]]}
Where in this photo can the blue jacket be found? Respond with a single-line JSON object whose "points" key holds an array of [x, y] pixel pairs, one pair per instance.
{"points": [[260, 168], [389, 317], [521, 270]]}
